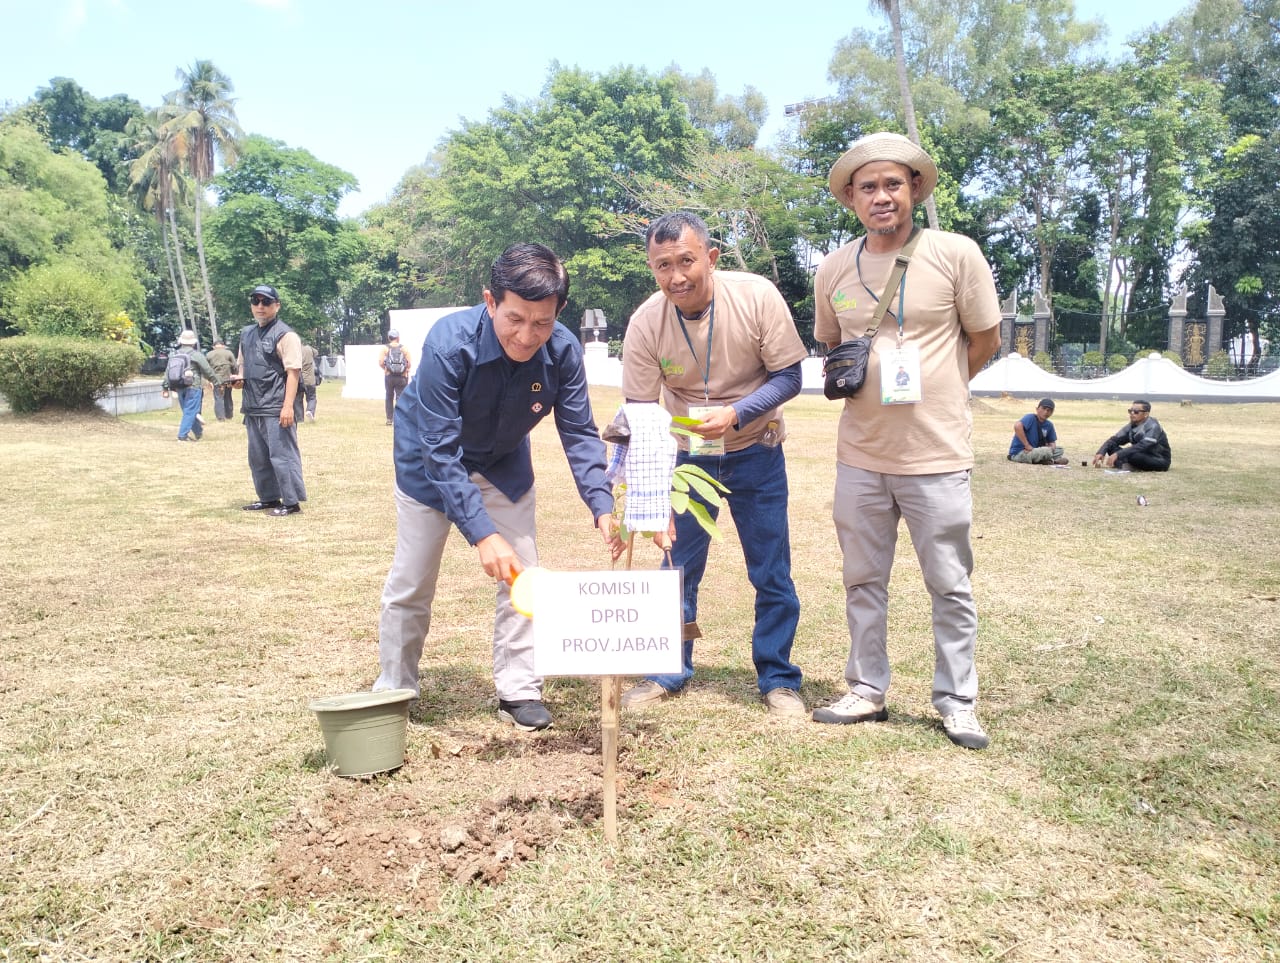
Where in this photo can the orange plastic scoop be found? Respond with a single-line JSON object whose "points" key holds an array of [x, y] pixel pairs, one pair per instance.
{"points": [[524, 588]]}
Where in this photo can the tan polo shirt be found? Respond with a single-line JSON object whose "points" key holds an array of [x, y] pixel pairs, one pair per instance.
{"points": [[752, 334], [949, 291]]}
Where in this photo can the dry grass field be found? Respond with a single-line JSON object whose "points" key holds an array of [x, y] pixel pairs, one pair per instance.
{"points": [[163, 793]]}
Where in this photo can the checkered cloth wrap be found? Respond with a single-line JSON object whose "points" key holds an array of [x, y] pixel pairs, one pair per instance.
{"points": [[645, 463]]}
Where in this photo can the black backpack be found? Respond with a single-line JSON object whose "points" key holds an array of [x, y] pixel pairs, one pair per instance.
{"points": [[395, 360], [178, 373]]}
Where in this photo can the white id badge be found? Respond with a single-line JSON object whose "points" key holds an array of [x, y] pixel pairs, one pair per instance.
{"points": [[704, 446], [900, 376]]}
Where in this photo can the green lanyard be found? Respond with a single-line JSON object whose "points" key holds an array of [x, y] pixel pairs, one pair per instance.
{"points": [[711, 326]]}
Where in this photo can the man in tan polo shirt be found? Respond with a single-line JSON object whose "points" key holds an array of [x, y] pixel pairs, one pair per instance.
{"points": [[721, 346], [904, 451]]}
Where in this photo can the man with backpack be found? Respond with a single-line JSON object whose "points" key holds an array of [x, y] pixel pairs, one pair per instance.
{"points": [[185, 373], [396, 364]]}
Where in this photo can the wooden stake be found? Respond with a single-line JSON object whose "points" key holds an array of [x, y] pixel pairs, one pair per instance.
{"points": [[610, 704], [610, 698]]}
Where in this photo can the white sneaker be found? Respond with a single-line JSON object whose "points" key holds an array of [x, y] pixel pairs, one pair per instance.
{"points": [[849, 709], [964, 729]]}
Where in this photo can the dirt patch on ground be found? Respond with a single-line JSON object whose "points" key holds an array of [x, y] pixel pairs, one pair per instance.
{"points": [[403, 836]]}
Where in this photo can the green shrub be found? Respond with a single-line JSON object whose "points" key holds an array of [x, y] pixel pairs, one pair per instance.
{"points": [[1219, 366], [1117, 362], [1172, 356], [1044, 360], [1091, 363], [65, 298], [38, 372]]}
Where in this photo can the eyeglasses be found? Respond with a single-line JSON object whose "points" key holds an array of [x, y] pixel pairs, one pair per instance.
{"points": [[1138, 411], [257, 300]]}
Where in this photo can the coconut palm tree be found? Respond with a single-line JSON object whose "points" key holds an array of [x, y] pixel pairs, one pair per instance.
{"points": [[892, 10], [204, 114], [155, 183]]}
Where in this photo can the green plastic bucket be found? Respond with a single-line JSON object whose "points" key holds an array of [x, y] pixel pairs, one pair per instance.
{"points": [[364, 731]]}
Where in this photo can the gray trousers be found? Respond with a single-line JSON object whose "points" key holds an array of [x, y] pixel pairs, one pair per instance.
{"points": [[939, 513], [421, 534], [1038, 456], [275, 460]]}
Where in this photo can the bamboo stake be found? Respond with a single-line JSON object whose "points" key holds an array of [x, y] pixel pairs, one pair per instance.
{"points": [[610, 697], [610, 703]]}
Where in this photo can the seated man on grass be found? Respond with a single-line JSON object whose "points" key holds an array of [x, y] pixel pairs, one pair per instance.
{"points": [[1141, 445], [1035, 440]]}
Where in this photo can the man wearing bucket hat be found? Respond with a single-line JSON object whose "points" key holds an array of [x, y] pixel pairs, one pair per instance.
{"points": [[270, 364], [462, 456], [191, 397], [906, 455], [396, 366]]}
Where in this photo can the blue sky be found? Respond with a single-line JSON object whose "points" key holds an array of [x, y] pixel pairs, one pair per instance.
{"points": [[373, 86]]}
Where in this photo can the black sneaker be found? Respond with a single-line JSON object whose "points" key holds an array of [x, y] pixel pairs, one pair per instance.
{"points": [[281, 510], [261, 506], [527, 714]]}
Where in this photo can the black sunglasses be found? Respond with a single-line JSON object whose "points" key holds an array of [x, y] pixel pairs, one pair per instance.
{"points": [[1137, 411], [258, 299]]}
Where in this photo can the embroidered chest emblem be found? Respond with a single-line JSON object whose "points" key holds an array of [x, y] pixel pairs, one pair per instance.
{"points": [[670, 368], [842, 302]]}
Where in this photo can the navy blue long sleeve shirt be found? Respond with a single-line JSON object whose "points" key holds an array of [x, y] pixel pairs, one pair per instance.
{"points": [[469, 408]]}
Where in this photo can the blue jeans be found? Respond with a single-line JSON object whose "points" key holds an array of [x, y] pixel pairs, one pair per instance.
{"points": [[757, 481], [190, 399]]}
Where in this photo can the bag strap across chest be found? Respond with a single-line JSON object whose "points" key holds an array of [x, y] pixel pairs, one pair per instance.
{"points": [[895, 278]]}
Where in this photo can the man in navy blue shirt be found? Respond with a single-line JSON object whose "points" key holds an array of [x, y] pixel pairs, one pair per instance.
{"points": [[1035, 440], [487, 376]]}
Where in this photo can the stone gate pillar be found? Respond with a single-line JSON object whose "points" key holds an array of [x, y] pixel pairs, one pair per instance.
{"points": [[1215, 315], [1178, 323], [1041, 316], [1008, 311]]}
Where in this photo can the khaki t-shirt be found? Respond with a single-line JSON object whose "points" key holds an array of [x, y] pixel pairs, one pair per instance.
{"points": [[753, 334], [949, 290]]}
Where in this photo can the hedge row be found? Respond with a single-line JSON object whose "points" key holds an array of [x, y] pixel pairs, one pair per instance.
{"points": [[38, 371]]}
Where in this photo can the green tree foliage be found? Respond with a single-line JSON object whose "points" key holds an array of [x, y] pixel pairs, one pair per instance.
{"points": [[1154, 126], [39, 371], [731, 122], [202, 114], [1238, 244], [553, 171], [157, 186], [95, 129], [749, 203], [56, 231], [276, 223], [1036, 168]]}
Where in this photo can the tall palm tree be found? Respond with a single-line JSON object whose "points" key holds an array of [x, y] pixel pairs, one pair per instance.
{"points": [[205, 114], [893, 11], [155, 183]]}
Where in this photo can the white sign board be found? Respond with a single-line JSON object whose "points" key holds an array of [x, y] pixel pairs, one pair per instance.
{"points": [[608, 623]]}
